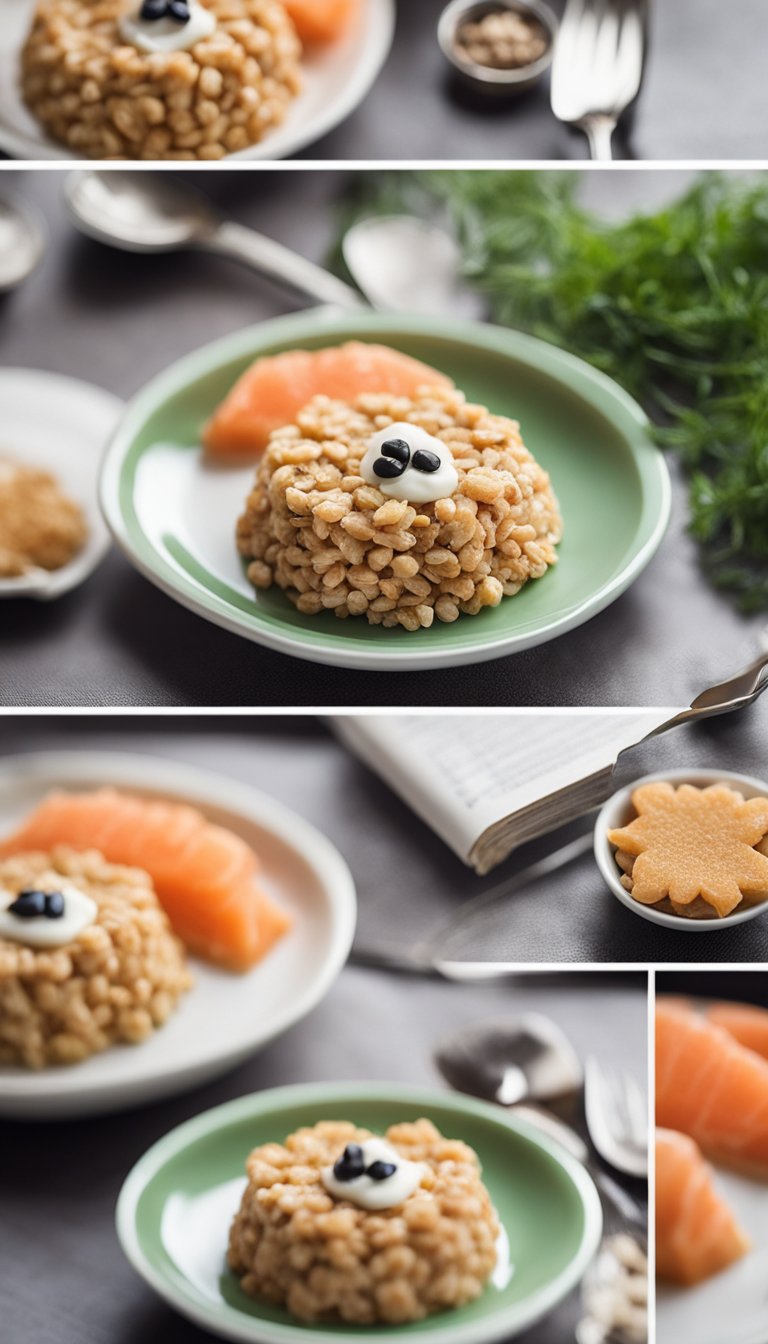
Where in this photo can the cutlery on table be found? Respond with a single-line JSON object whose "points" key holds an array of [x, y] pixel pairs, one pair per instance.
{"points": [[617, 1118], [597, 68], [399, 262], [430, 956], [155, 212], [531, 1062]]}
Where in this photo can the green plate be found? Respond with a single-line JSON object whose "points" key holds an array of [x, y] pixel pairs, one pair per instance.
{"points": [[175, 516], [174, 1211]]}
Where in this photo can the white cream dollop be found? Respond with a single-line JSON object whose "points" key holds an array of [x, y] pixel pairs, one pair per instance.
{"points": [[370, 1194], [80, 911], [167, 34], [412, 485]]}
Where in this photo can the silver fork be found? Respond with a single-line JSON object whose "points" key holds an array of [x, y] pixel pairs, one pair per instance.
{"points": [[617, 1118], [598, 66]]}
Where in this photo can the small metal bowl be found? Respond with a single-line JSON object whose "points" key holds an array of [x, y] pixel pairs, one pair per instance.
{"points": [[485, 78]]}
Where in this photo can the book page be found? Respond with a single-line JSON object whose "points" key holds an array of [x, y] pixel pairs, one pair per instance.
{"points": [[463, 774]]}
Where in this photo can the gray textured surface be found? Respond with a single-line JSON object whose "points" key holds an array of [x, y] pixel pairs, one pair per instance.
{"points": [[117, 319], [705, 96], [64, 1278]]}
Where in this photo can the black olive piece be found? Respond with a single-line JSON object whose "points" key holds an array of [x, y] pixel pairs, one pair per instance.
{"points": [[385, 469], [397, 448], [351, 1163], [28, 904], [179, 10], [54, 905], [381, 1171], [423, 460], [154, 9]]}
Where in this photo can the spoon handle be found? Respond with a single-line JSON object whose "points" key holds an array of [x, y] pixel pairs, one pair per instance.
{"points": [[281, 264]]}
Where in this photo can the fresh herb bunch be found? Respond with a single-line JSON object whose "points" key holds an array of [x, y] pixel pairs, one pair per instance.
{"points": [[673, 305]]}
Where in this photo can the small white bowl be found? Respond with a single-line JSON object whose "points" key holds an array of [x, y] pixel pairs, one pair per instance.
{"points": [[618, 811]]}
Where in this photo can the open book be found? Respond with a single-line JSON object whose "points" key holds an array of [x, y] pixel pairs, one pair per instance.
{"points": [[488, 783]]}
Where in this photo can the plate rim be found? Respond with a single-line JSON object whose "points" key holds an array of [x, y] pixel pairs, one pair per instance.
{"points": [[649, 461], [497, 1326], [199, 784], [82, 566], [368, 65]]}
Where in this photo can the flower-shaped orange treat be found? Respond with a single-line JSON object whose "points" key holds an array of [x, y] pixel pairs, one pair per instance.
{"points": [[690, 842]]}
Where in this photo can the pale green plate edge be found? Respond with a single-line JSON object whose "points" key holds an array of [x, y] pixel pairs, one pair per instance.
{"points": [[228, 1323], [598, 391]]}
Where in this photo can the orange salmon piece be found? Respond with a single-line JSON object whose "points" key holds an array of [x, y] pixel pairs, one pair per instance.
{"points": [[321, 20], [274, 389], [204, 875], [745, 1022], [713, 1089], [696, 1233]]}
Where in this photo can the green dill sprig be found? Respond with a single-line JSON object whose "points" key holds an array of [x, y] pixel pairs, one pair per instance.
{"points": [[673, 305]]}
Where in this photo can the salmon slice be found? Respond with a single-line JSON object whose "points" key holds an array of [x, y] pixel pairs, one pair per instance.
{"points": [[745, 1022], [321, 20], [696, 1233], [710, 1087], [272, 391], [204, 875]]}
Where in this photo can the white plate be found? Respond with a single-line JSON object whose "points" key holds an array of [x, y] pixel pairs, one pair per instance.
{"points": [[732, 1307], [62, 426], [336, 79], [224, 1018]]}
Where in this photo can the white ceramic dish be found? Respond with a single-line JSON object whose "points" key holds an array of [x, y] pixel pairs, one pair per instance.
{"points": [[732, 1306], [618, 811], [61, 425], [224, 1018], [336, 80]]}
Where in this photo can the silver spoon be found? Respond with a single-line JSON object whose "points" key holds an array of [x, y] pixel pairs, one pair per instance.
{"points": [[406, 264], [528, 1065], [512, 1059], [400, 263], [22, 241], [154, 212]]}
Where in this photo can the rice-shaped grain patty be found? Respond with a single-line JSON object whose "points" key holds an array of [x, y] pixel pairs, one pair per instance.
{"points": [[105, 97], [115, 980], [324, 1257], [335, 541]]}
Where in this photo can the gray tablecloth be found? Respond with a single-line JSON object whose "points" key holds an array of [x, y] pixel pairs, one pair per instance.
{"points": [[117, 319], [704, 96], [64, 1280]]}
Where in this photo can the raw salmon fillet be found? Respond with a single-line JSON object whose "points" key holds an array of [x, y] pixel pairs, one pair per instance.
{"points": [[745, 1022], [710, 1087], [696, 1233], [321, 20], [204, 875], [272, 391]]}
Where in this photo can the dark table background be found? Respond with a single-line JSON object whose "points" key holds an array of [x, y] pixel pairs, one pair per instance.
{"points": [[117, 319], [705, 96], [63, 1277]]}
